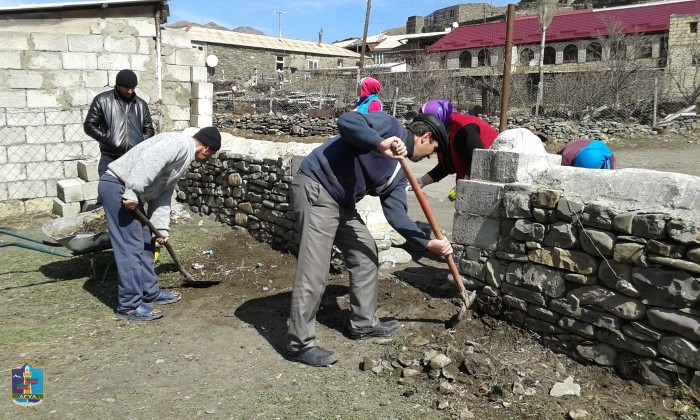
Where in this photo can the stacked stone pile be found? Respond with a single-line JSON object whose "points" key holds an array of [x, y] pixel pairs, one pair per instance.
{"points": [[558, 130], [613, 287], [298, 125]]}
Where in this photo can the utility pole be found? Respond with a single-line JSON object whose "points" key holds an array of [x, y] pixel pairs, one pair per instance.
{"points": [[364, 41], [279, 22]]}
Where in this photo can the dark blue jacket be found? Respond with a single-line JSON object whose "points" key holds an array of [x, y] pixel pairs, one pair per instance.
{"points": [[349, 167]]}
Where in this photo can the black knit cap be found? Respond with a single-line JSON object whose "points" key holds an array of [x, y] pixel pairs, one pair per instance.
{"points": [[437, 128], [210, 137], [127, 79]]}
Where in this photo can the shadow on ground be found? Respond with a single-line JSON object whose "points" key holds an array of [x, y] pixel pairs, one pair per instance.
{"points": [[268, 315]]}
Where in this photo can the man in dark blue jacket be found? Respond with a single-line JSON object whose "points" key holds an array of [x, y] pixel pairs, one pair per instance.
{"points": [[362, 160]]}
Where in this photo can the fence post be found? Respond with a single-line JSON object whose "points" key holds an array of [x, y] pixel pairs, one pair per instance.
{"points": [[656, 98]]}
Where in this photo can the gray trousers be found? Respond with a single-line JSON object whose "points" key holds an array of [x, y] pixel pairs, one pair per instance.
{"points": [[321, 223]]}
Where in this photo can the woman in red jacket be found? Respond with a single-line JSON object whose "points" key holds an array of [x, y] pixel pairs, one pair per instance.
{"points": [[466, 133]]}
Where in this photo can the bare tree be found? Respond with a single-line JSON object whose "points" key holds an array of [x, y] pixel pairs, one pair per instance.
{"points": [[545, 14]]}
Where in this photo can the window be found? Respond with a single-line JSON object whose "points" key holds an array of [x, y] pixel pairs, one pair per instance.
{"points": [[484, 58], [643, 50], [571, 53], [279, 63], [312, 64], [696, 60], [618, 51], [465, 60], [550, 55], [451, 13], [594, 52], [527, 57], [443, 63], [340, 62], [693, 27]]}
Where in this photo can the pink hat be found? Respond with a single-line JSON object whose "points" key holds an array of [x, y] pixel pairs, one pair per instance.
{"points": [[368, 86], [440, 108]]}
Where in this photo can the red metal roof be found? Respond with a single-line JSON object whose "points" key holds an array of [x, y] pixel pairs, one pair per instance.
{"points": [[581, 24]]}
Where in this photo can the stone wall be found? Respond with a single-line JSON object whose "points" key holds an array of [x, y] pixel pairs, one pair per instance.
{"points": [[54, 63], [603, 264]]}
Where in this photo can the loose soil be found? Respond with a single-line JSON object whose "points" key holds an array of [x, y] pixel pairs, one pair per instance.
{"points": [[220, 351]]}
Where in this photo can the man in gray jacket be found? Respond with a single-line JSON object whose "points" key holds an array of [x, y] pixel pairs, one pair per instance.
{"points": [[362, 160], [147, 174], [118, 119]]}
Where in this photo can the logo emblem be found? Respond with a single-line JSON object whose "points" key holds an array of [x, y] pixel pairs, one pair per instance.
{"points": [[27, 385]]}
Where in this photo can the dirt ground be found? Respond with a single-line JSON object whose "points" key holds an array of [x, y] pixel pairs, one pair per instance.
{"points": [[220, 352]]}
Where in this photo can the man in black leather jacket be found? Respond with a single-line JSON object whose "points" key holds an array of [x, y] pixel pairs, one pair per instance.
{"points": [[118, 119]]}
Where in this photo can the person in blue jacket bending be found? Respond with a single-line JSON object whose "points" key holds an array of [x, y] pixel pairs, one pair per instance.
{"points": [[362, 160]]}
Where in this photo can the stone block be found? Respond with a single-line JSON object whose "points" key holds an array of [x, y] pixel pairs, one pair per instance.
{"points": [[21, 190], [203, 90], [87, 170], [176, 73], [44, 134], [471, 229], [189, 57], [49, 41], [14, 41], [12, 135], [121, 44], [22, 79], [85, 43], [44, 60], [13, 172], [199, 74], [10, 60], [79, 61], [202, 107], [201, 121], [13, 99], [140, 62], [70, 190], [113, 61], [506, 167], [26, 153], [480, 197], [90, 190], [95, 79], [64, 209], [42, 99], [67, 79]]}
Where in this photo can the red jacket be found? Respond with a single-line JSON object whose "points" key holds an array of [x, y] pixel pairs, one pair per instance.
{"points": [[488, 134]]}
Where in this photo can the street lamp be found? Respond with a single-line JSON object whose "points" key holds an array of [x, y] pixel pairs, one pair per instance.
{"points": [[279, 21]]}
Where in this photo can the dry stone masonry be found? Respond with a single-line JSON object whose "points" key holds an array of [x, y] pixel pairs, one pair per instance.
{"points": [[605, 265]]}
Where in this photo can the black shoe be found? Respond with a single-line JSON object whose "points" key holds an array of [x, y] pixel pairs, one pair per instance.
{"points": [[383, 329], [315, 356]]}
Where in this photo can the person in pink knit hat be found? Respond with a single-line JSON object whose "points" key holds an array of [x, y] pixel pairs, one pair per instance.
{"points": [[367, 90]]}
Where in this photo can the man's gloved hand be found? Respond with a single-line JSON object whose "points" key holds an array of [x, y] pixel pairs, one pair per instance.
{"points": [[452, 196]]}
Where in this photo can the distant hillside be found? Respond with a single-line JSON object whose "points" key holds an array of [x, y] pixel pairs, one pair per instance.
{"points": [[211, 25]]}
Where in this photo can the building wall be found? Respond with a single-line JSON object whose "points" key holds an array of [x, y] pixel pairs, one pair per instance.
{"points": [[684, 52], [244, 67], [53, 64]]}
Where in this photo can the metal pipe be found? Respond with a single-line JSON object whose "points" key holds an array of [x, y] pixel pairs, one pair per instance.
{"points": [[508, 53], [159, 65]]}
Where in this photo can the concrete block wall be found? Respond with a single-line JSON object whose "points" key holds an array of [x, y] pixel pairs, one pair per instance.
{"points": [[603, 264], [51, 73]]}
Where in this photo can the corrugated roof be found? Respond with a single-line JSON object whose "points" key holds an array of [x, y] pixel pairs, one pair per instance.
{"points": [[391, 42], [646, 18], [73, 5], [216, 36]]}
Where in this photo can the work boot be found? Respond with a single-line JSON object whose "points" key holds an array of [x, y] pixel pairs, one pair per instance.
{"points": [[383, 329], [315, 356]]}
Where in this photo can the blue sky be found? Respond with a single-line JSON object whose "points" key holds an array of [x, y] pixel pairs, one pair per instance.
{"points": [[302, 19]]}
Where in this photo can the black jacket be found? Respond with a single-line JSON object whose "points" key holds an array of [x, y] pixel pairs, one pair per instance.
{"points": [[118, 125]]}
